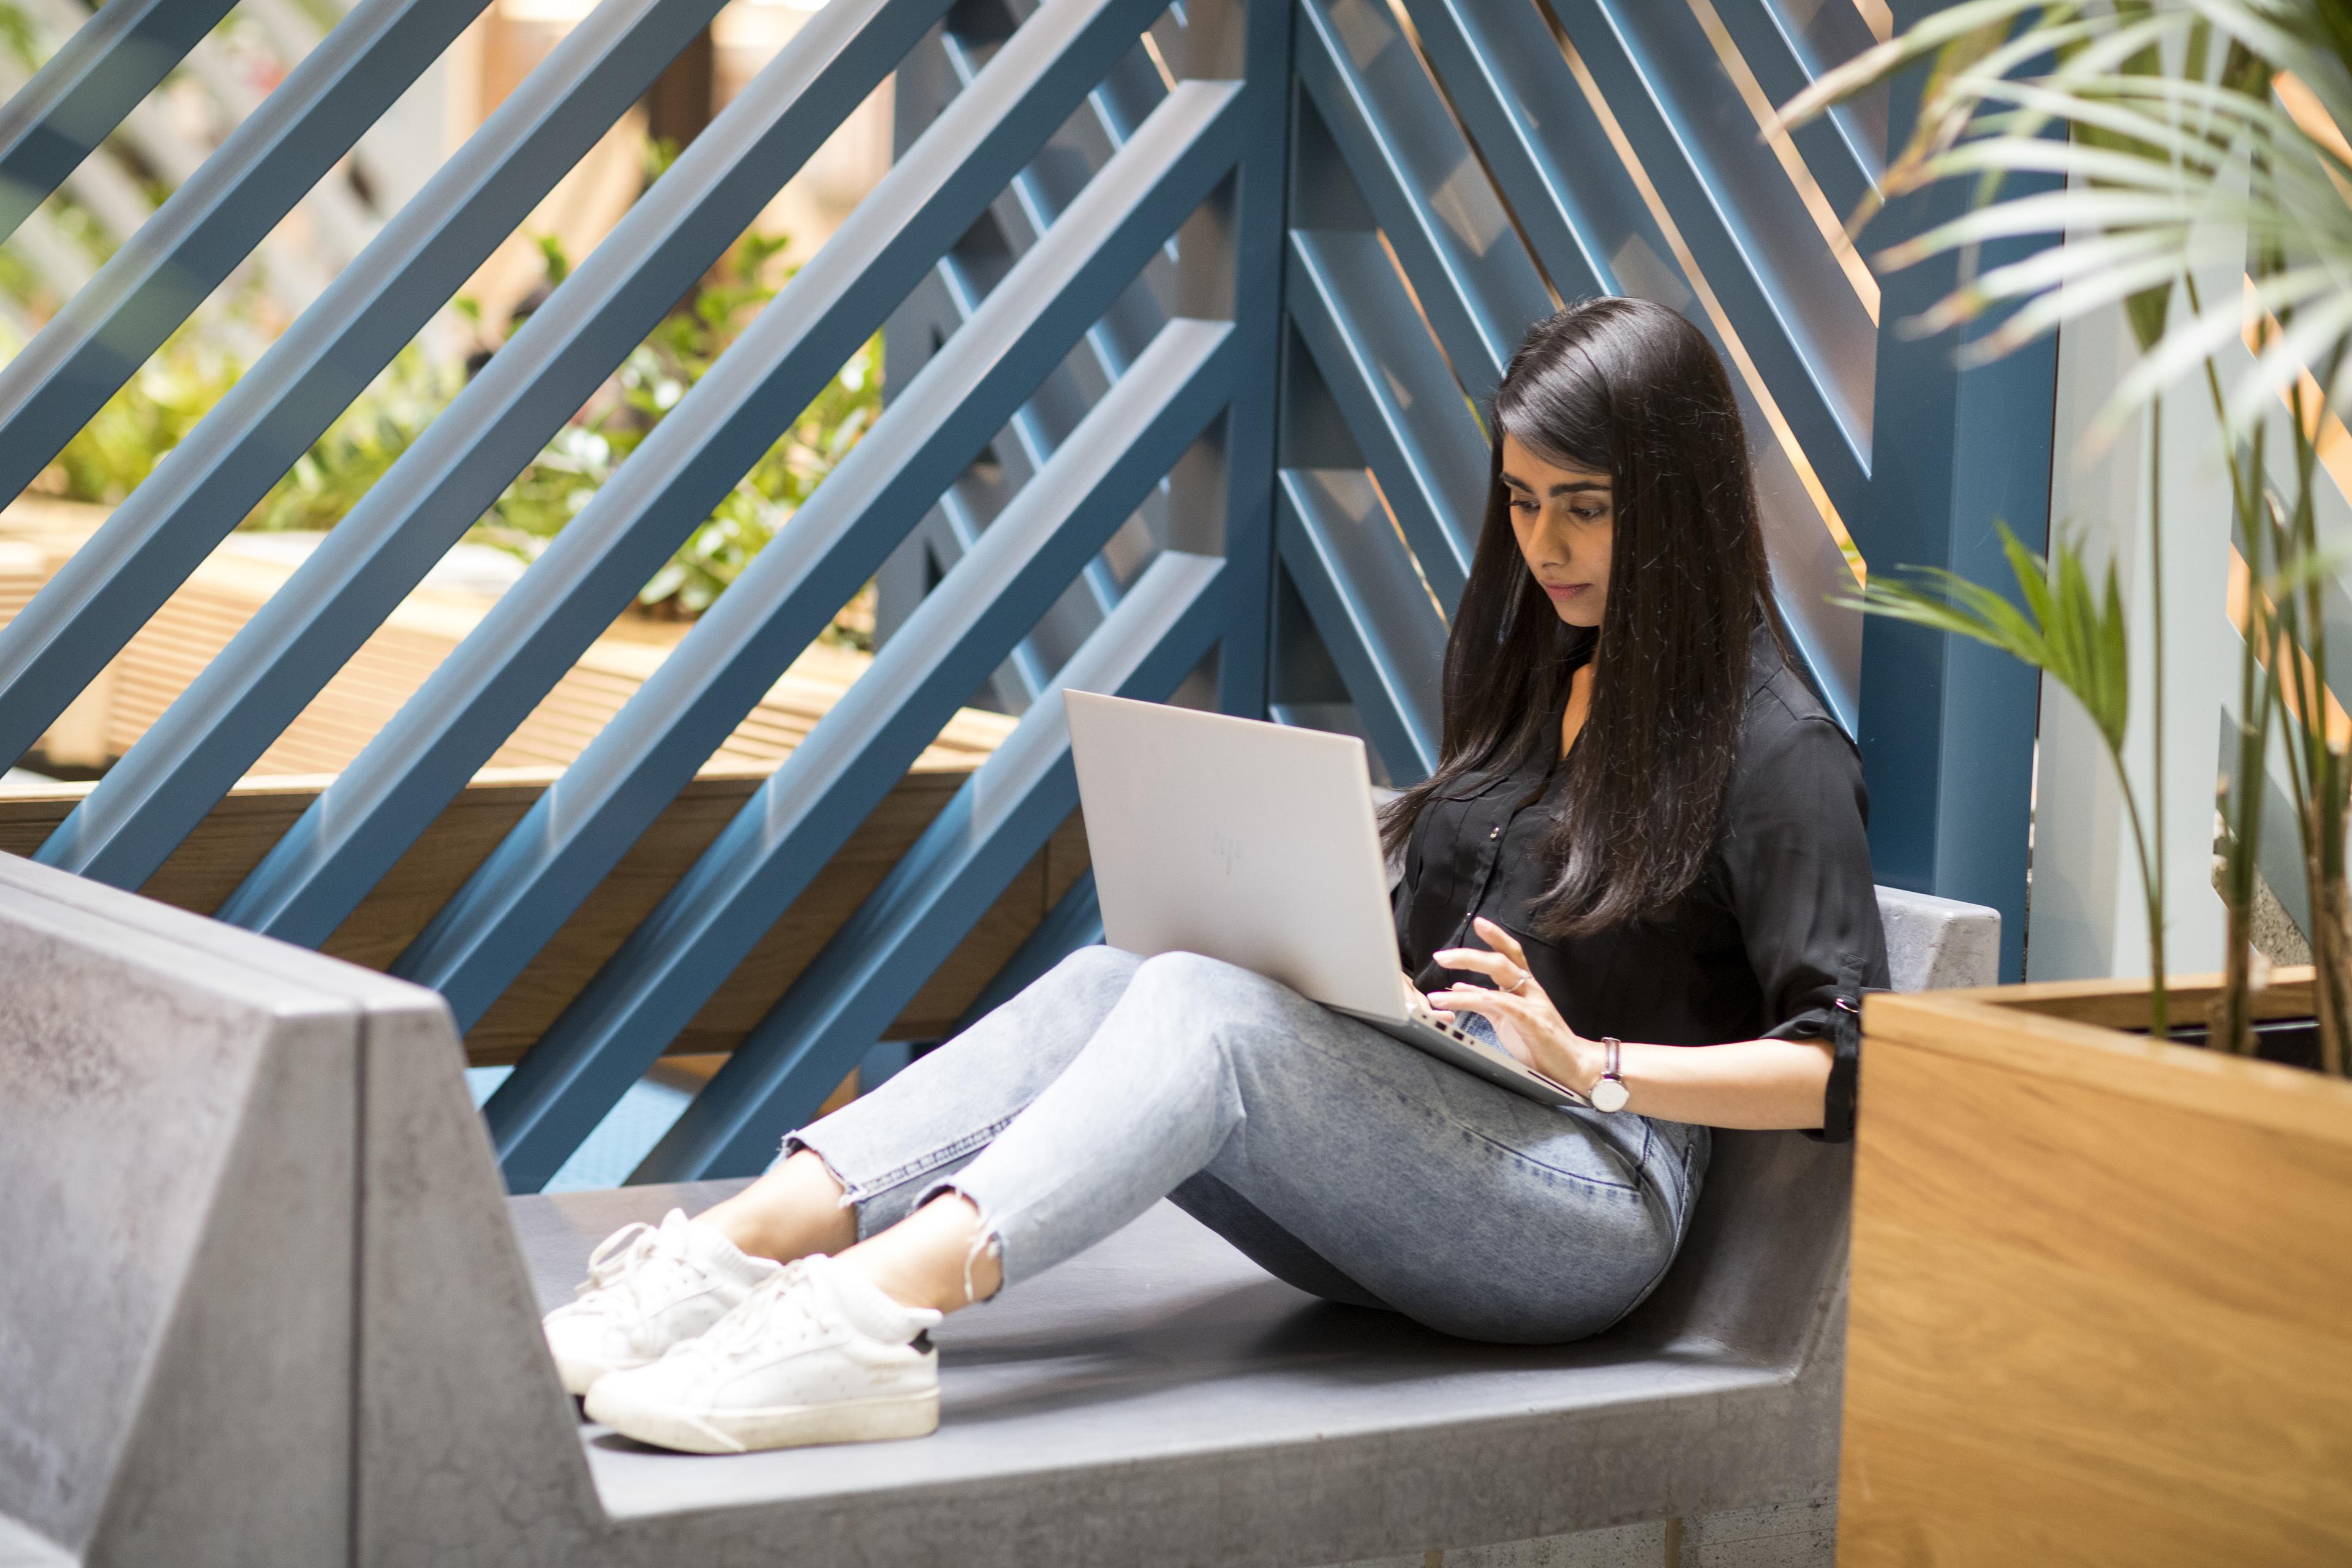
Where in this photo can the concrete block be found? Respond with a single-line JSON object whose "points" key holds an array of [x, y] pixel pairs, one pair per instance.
{"points": [[1938, 945], [175, 1322]]}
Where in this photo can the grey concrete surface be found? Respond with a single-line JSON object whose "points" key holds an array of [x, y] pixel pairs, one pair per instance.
{"points": [[1937, 944], [175, 1136], [268, 1304]]}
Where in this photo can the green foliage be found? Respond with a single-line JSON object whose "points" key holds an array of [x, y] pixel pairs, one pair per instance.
{"points": [[345, 462], [115, 453], [2064, 629], [655, 377], [157, 408], [2146, 128]]}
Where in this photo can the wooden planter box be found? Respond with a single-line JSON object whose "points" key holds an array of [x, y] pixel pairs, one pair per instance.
{"points": [[2102, 1290]]}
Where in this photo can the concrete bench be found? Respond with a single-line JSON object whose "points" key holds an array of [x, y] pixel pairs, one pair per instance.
{"points": [[263, 1301]]}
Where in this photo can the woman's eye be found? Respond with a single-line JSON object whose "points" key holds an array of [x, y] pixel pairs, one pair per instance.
{"points": [[1588, 513]]}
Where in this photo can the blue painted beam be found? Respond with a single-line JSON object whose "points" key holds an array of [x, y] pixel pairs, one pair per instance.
{"points": [[1947, 726], [1594, 235], [555, 857], [81, 93], [993, 827], [352, 834], [1400, 401], [1798, 366], [791, 826], [1559, 171], [1823, 38], [106, 332], [1576, 224], [1737, 206], [1836, 149], [147, 547], [1372, 610], [449, 477], [1425, 184], [1221, 501], [1074, 922]]}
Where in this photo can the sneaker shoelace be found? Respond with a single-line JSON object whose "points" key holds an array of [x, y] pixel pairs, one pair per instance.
{"points": [[631, 1267], [780, 1310]]}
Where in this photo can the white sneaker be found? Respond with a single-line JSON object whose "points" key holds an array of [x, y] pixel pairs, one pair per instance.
{"points": [[818, 1355], [648, 1289]]}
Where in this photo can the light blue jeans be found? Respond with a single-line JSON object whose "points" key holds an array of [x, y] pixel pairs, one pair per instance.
{"points": [[1342, 1162]]}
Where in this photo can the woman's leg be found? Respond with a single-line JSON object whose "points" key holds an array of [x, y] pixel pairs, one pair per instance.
{"points": [[1440, 1194], [857, 1171]]}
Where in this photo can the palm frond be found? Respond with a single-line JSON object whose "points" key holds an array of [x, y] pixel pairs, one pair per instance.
{"points": [[2057, 624]]}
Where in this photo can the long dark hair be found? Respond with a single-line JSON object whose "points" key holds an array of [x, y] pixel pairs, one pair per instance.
{"points": [[1629, 388]]}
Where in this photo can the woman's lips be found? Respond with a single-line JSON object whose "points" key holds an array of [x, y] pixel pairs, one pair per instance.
{"points": [[1563, 591]]}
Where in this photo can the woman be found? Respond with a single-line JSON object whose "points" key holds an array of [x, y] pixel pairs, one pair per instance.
{"points": [[1641, 858]]}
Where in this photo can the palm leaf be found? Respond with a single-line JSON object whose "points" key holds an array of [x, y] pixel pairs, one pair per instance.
{"points": [[2056, 624]]}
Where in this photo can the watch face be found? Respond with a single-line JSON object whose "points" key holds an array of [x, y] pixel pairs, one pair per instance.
{"points": [[1609, 1094]]}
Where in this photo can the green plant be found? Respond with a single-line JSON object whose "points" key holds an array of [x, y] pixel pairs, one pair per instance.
{"points": [[652, 381], [134, 430], [343, 464], [155, 410], [2180, 120]]}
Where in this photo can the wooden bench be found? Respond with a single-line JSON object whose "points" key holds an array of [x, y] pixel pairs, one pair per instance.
{"points": [[267, 1302]]}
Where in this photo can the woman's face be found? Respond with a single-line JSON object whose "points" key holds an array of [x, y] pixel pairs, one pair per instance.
{"points": [[1564, 518]]}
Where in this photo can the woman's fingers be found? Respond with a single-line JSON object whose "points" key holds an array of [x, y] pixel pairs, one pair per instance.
{"points": [[1499, 1005], [1501, 1010], [1501, 941], [1495, 966]]}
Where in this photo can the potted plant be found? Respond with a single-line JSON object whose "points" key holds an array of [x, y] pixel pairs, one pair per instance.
{"points": [[2099, 1275]]}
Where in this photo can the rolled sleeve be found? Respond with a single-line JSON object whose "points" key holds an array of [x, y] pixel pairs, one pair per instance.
{"points": [[1796, 853]]}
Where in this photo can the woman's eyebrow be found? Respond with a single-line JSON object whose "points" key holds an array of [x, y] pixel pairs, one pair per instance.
{"points": [[1572, 487]]}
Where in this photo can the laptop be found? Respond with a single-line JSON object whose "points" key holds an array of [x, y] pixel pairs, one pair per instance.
{"points": [[1256, 844]]}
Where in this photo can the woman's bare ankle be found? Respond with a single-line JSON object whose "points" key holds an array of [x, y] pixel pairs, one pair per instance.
{"points": [[941, 1256], [797, 1209]]}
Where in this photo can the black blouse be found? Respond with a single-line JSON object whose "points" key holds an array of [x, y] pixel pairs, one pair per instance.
{"points": [[1775, 939]]}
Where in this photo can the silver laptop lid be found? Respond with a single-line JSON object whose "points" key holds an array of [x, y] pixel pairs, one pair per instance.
{"points": [[1246, 841]]}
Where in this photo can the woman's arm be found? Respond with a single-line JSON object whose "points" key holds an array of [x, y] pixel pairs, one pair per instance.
{"points": [[1749, 1083]]}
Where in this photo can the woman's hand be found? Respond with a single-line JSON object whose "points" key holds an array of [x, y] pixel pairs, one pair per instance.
{"points": [[1525, 1020]]}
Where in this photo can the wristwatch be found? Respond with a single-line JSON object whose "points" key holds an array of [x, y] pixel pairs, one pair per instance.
{"points": [[1610, 1093]]}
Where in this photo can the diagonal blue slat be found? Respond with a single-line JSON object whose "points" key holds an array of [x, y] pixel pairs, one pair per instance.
{"points": [[147, 547], [107, 331], [1027, 206], [1425, 183], [393, 790], [1594, 235], [578, 830], [1074, 922], [1754, 218], [791, 828], [1587, 221], [1399, 402], [81, 93], [1575, 224], [1832, 423], [287, 652], [1824, 37], [1036, 196], [1835, 148], [1372, 610], [993, 827]]}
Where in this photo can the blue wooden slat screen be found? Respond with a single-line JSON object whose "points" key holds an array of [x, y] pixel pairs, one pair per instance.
{"points": [[1190, 313]]}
